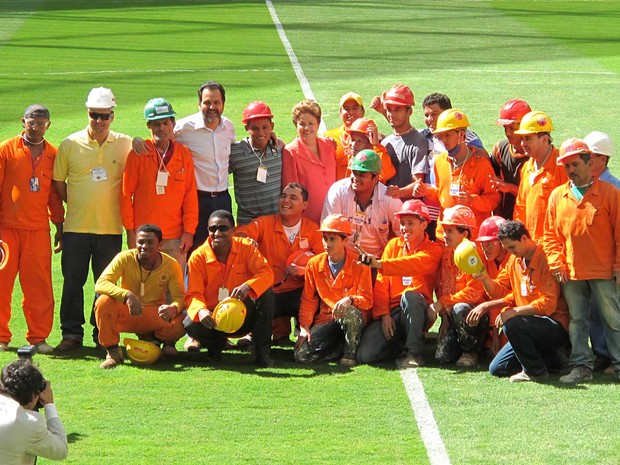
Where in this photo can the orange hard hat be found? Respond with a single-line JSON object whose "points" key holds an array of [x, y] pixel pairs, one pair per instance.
{"points": [[571, 147], [414, 207], [299, 258], [398, 95], [459, 215], [336, 223], [4, 254], [489, 228], [255, 110], [513, 111], [361, 125]]}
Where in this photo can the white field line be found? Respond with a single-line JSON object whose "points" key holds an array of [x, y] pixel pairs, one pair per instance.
{"points": [[301, 77], [435, 448]]}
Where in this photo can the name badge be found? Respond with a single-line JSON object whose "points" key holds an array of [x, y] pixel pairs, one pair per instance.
{"points": [[160, 190], [303, 243], [222, 294], [34, 184], [261, 174], [359, 218], [455, 188], [99, 174], [407, 280], [162, 178], [525, 290]]}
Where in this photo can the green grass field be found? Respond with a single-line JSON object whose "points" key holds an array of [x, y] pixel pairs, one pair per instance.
{"points": [[562, 57]]}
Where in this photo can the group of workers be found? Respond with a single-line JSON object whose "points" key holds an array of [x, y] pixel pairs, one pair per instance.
{"points": [[352, 235]]}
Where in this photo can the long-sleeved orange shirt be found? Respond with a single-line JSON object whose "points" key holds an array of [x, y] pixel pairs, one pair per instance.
{"points": [[534, 191], [535, 280], [275, 246], [454, 286], [21, 208], [322, 290], [583, 236], [402, 271], [245, 264], [176, 210], [473, 177]]}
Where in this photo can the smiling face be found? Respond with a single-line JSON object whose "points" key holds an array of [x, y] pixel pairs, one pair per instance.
{"points": [[34, 128], [412, 227], [452, 236], [291, 203], [363, 182], [98, 125], [359, 142], [431, 113], [307, 126], [535, 145], [148, 246], [220, 233], [211, 106], [350, 111], [259, 130]]}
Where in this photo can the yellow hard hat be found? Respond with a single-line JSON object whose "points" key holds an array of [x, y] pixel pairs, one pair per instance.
{"points": [[466, 258], [141, 352], [451, 119], [4, 254], [229, 315], [534, 122]]}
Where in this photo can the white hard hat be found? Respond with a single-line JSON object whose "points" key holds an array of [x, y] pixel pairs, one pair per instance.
{"points": [[100, 97], [599, 143]]}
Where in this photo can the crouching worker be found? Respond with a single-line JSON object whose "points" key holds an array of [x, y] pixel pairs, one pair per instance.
{"points": [[403, 290], [336, 300], [226, 266], [535, 317], [139, 305]]}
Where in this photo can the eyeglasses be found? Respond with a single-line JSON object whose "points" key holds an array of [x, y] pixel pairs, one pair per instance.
{"points": [[220, 228], [35, 124], [102, 116]]}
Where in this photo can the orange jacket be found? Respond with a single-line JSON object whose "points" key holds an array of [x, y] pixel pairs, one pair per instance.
{"points": [[583, 236], [175, 211], [322, 290], [536, 281], [421, 266], [20, 208], [474, 177], [454, 286], [534, 191], [245, 264], [269, 233]]}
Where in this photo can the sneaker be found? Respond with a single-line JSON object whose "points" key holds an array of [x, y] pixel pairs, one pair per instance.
{"points": [[192, 345], [44, 348], [68, 345], [467, 360], [412, 361], [4, 346], [170, 350], [348, 362], [113, 358], [577, 375], [523, 377], [245, 342], [610, 370]]}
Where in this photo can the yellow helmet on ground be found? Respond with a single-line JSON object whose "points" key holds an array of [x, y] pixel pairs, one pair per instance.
{"points": [[451, 119], [229, 315], [466, 258], [141, 352]]}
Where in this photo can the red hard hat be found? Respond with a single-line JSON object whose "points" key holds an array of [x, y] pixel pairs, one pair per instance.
{"points": [[398, 95], [336, 223], [459, 215], [489, 228], [571, 147], [513, 111], [299, 258], [414, 207], [255, 110]]}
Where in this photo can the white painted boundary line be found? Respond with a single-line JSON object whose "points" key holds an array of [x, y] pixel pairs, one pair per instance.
{"points": [[435, 448], [301, 77]]}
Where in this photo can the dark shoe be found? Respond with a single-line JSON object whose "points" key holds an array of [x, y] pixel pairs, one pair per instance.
{"points": [[69, 345], [192, 345], [169, 350], [265, 361], [214, 356], [578, 374], [412, 361], [601, 363], [348, 362], [245, 342]]}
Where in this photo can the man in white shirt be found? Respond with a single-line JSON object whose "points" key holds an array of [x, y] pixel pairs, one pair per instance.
{"points": [[208, 135], [25, 433]]}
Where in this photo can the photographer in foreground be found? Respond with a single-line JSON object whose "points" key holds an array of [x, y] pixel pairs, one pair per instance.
{"points": [[25, 433]]}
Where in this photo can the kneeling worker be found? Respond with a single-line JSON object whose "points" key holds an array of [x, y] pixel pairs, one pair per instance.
{"points": [[139, 305]]}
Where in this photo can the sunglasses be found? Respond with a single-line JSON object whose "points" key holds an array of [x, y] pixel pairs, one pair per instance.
{"points": [[221, 228], [101, 116]]}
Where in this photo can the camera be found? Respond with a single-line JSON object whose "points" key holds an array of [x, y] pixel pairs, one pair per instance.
{"points": [[26, 351]]}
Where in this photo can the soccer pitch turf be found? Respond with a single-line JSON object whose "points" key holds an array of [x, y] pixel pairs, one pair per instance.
{"points": [[562, 57]]}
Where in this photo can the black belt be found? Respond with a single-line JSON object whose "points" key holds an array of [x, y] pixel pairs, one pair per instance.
{"points": [[212, 194]]}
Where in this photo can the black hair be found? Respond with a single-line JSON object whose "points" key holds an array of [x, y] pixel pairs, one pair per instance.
{"points": [[151, 228], [302, 188], [441, 99], [213, 85], [21, 380], [513, 230], [462, 229], [223, 214]]}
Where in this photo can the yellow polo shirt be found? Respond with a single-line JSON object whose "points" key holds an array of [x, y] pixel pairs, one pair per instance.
{"points": [[93, 175]]}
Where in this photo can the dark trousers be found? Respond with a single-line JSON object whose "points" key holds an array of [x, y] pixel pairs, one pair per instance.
{"points": [[460, 336], [78, 251], [206, 206], [257, 321], [531, 341], [287, 303]]}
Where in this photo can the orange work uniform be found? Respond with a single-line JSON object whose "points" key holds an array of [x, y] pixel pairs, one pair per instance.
{"points": [[111, 312], [322, 290], [174, 208], [405, 270], [473, 177], [207, 276], [535, 188], [455, 286], [27, 204], [583, 236]]}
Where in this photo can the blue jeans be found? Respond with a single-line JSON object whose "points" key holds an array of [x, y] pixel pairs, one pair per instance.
{"points": [[531, 340], [78, 251], [604, 294]]}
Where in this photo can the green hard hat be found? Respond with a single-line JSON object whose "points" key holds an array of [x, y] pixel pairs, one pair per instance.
{"points": [[366, 160], [158, 108]]}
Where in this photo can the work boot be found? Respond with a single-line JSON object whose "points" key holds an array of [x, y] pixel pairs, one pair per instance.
{"points": [[467, 360], [44, 348], [68, 345], [170, 350], [113, 358], [577, 375], [412, 361]]}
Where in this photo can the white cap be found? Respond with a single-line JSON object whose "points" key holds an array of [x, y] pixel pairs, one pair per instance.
{"points": [[100, 97], [600, 143]]}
